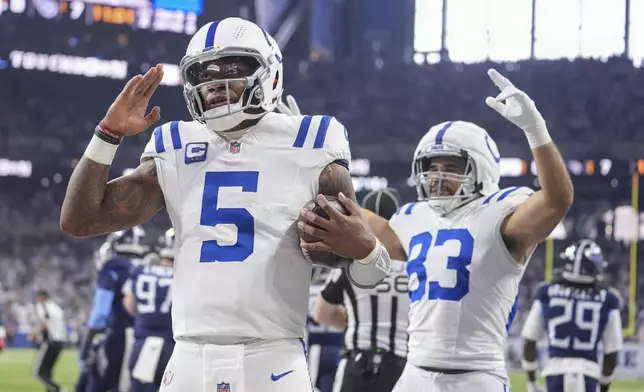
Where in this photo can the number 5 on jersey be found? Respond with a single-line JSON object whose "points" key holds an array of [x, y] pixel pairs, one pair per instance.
{"points": [[212, 215], [458, 264]]}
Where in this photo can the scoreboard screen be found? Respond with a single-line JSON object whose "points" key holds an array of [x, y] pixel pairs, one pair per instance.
{"points": [[174, 16]]}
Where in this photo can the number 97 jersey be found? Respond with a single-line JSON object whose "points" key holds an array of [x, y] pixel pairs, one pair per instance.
{"points": [[239, 270], [463, 282]]}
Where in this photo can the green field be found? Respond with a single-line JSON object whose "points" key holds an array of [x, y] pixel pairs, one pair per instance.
{"points": [[16, 374]]}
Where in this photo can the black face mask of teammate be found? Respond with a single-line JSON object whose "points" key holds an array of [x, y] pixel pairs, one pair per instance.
{"points": [[382, 202]]}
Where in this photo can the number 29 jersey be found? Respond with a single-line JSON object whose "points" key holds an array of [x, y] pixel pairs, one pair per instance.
{"points": [[239, 271], [463, 282], [577, 318]]}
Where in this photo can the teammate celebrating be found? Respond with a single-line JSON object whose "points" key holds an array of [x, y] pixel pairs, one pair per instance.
{"points": [[578, 312], [148, 297], [233, 182], [467, 244]]}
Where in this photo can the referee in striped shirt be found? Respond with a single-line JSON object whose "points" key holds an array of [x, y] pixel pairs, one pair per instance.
{"points": [[375, 320], [51, 327]]}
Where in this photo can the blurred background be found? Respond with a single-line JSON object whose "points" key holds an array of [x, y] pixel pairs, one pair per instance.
{"points": [[388, 70]]}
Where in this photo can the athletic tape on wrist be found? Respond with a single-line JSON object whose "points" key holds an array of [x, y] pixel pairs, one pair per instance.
{"points": [[537, 136], [101, 151]]}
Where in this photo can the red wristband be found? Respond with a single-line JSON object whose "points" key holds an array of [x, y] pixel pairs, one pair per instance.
{"points": [[106, 131]]}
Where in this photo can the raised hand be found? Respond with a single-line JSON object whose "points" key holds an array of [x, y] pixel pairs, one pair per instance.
{"points": [[126, 116], [513, 104]]}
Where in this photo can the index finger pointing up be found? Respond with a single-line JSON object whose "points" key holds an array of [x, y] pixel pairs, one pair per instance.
{"points": [[499, 80]]}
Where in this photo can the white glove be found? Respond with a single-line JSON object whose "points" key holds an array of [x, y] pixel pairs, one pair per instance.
{"points": [[291, 109], [534, 387], [519, 109]]}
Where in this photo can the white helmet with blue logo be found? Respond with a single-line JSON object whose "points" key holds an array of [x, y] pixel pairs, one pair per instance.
{"points": [[239, 39], [456, 139]]}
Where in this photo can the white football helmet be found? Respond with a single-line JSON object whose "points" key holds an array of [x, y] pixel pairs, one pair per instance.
{"points": [[458, 139], [239, 39]]}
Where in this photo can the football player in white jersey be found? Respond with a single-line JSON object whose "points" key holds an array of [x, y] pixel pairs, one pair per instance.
{"points": [[233, 182], [467, 243], [578, 312]]}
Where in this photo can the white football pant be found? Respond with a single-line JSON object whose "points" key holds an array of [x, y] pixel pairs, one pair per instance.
{"points": [[265, 366], [414, 379]]}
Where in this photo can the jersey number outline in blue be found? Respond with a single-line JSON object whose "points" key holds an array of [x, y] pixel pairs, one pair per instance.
{"points": [[457, 263], [212, 215]]}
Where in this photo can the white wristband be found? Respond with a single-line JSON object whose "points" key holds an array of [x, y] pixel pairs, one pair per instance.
{"points": [[537, 136], [529, 366], [605, 380], [368, 272], [100, 151], [371, 257]]}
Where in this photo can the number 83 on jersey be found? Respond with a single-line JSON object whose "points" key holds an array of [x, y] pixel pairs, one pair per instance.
{"points": [[459, 242]]}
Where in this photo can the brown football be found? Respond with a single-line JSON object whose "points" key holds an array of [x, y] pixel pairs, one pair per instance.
{"points": [[324, 259]]}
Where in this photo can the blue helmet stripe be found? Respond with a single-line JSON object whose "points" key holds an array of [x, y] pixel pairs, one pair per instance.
{"points": [[266, 37], [441, 133], [210, 35]]}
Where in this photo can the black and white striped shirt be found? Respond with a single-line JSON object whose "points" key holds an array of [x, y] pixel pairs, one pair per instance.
{"points": [[53, 317], [376, 318]]}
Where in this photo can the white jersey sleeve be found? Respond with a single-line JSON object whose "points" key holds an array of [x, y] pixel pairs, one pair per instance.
{"points": [[166, 146], [500, 205], [612, 337], [325, 137], [506, 201], [533, 326], [336, 145], [323, 133], [165, 139]]}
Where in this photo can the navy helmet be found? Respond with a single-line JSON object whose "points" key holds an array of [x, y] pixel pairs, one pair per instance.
{"points": [[166, 245], [583, 262], [128, 242], [382, 202]]}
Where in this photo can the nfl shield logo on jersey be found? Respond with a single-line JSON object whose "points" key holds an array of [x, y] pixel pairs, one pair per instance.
{"points": [[223, 387], [167, 377], [235, 147]]}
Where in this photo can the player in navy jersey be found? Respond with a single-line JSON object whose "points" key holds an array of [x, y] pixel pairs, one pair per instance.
{"points": [[578, 312], [324, 343], [148, 296], [104, 371]]}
